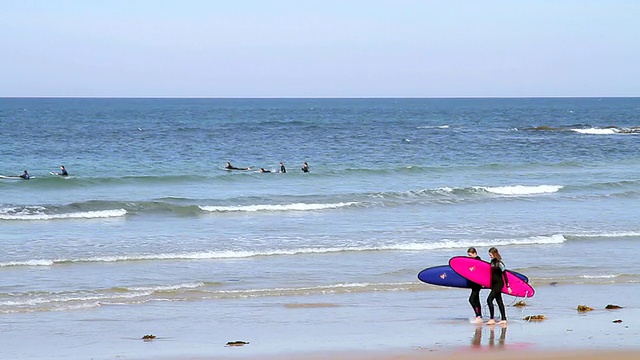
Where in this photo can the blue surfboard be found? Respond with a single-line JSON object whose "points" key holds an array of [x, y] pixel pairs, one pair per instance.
{"points": [[444, 275]]}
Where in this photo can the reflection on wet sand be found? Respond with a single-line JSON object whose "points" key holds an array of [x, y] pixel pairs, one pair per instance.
{"points": [[476, 341]]}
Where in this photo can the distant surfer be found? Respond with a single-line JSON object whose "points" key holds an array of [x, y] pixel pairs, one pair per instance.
{"points": [[263, 170], [474, 298], [231, 167], [25, 175], [63, 171], [498, 280], [282, 168], [305, 167]]}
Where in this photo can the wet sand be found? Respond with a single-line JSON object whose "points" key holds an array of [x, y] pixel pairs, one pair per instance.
{"points": [[476, 355]]}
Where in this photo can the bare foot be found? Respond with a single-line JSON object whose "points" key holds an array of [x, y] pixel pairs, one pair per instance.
{"points": [[491, 322], [478, 320]]}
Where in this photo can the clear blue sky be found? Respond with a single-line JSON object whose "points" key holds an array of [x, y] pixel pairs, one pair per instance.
{"points": [[304, 48]]}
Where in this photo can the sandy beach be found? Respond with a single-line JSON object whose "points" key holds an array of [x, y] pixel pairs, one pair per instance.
{"points": [[393, 330], [502, 355], [384, 326], [479, 355]]}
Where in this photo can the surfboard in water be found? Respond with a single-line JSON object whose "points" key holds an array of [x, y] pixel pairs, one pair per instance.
{"points": [[15, 177], [444, 275], [479, 271]]}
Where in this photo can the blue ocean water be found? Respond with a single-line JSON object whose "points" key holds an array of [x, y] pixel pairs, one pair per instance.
{"points": [[149, 215]]}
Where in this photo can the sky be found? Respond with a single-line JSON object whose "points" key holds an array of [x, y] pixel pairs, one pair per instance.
{"points": [[309, 48]]}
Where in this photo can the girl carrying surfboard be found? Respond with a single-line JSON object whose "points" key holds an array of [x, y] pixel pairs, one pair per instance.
{"points": [[474, 298], [498, 281]]}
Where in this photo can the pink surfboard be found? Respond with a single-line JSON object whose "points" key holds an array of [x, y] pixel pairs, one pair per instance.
{"points": [[479, 272]]}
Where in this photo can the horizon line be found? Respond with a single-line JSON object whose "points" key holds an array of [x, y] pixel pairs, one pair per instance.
{"points": [[319, 97]]}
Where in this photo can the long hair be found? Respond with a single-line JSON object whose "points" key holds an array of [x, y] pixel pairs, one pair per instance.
{"points": [[496, 255]]}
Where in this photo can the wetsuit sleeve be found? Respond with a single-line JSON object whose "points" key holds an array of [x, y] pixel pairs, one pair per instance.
{"points": [[504, 274]]}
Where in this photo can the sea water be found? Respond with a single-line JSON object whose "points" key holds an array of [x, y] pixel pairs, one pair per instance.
{"points": [[149, 231]]}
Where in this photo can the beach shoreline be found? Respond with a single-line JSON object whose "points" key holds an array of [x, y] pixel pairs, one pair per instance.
{"points": [[455, 354], [479, 355], [436, 354]]}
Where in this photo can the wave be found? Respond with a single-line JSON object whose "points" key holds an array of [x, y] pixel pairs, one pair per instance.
{"points": [[167, 288], [37, 301], [587, 129], [278, 207], [596, 131], [177, 206], [609, 130], [433, 127], [42, 301], [168, 206], [40, 213], [611, 276], [237, 254], [523, 190], [82, 299], [93, 209], [461, 193], [606, 235]]}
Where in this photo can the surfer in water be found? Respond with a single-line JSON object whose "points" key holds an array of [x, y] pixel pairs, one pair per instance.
{"points": [[474, 298], [25, 175], [231, 167], [498, 281], [305, 167], [282, 168], [263, 170], [63, 171]]}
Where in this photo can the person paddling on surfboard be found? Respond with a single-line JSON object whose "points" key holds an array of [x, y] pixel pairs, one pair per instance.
{"points": [[498, 281], [231, 167], [474, 298], [25, 175]]}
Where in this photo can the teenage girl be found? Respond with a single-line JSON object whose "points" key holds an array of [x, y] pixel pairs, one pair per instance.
{"points": [[498, 280], [474, 298]]}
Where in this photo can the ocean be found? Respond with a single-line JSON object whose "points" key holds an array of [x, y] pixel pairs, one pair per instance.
{"points": [[150, 234]]}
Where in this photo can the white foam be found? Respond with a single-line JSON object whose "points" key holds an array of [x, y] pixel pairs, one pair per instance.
{"points": [[449, 244], [522, 190], [34, 262], [608, 234], [194, 285], [433, 127], [277, 207], [77, 215], [599, 276], [72, 298], [445, 189], [231, 254], [596, 131], [321, 289]]}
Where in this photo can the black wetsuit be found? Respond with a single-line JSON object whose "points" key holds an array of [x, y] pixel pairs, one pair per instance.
{"points": [[498, 280], [63, 173], [305, 168], [283, 169], [474, 298], [25, 176]]}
